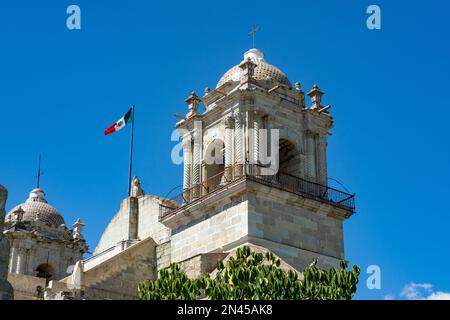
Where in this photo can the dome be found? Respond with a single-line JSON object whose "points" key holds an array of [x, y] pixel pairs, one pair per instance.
{"points": [[263, 70], [36, 208]]}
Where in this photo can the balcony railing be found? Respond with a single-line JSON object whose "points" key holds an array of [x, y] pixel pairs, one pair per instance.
{"points": [[280, 180]]}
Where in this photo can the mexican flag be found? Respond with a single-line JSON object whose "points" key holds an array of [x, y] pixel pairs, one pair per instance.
{"points": [[122, 122]]}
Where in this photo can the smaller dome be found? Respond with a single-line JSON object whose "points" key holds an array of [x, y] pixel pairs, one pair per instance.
{"points": [[263, 70], [36, 208]]}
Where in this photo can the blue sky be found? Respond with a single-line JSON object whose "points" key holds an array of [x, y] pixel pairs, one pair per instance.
{"points": [[60, 89]]}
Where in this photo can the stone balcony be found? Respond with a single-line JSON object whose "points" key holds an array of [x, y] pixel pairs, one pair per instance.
{"points": [[235, 179]]}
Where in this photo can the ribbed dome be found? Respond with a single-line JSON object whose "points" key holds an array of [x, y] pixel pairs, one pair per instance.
{"points": [[36, 208], [263, 70]]}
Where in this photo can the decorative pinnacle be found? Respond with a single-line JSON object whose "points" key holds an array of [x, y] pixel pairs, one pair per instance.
{"points": [[193, 100], [316, 96], [248, 67], [78, 227], [19, 212]]}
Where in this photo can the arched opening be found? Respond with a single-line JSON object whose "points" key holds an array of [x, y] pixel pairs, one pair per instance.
{"points": [[214, 162], [45, 270], [289, 158]]}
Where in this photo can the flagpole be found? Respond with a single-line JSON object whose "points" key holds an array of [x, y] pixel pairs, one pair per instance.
{"points": [[131, 151]]}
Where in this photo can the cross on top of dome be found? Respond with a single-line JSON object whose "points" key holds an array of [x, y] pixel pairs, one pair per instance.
{"points": [[252, 33]]}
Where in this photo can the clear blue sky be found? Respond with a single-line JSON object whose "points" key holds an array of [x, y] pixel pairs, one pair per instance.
{"points": [[60, 89]]}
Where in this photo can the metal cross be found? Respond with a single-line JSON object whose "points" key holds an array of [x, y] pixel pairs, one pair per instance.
{"points": [[254, 30]]}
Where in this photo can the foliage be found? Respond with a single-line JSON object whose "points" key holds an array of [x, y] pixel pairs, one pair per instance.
{"points": [[172, 284], [255, 276]]}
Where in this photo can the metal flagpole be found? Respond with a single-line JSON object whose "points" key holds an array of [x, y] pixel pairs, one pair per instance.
{"points": [[131, 151]]}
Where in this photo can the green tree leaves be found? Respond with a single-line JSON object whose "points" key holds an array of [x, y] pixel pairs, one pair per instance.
{"points": [[256, 276]]}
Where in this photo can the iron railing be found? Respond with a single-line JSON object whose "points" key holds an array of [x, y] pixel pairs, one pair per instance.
{"points": [[280, 180]]}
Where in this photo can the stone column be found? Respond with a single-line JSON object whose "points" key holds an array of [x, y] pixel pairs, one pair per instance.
{"points": [[322, 161], [238, 143], [12, 260], [21, 261], [311, 165], [132, 207], [310, 157], [196, 165], [187, 146], [6, 290], [229, 124], [31, 265], [255, 143], [18, 261]]}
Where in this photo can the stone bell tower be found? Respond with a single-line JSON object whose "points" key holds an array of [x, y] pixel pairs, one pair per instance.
{"points": [[255, 171], [42, 247]]}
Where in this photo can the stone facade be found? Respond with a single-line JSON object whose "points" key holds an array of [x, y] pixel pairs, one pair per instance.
{"points": [[6, 290], [132, 248], [27, 287], [199, 265], [211, 234], [114, 278], [42, 248], [146, 223]]}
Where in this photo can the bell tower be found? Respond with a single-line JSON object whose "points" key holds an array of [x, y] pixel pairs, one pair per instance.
{"points": [[255, 171]]}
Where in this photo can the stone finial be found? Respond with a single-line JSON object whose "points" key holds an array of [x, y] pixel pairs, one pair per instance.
{"points": [[207, 91], [136, 189], [248, 67], [193, 101], [78, 228], [19, 214], [316, 96], [298, 88]]}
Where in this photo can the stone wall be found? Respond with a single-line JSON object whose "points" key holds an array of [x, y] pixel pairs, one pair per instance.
{"points": [[148, 224], [201, 264], [298, 258], [117, 229], [27, 287], [163, 259], [296, 228], [27, 253], [116, 278], [211, 234], [283, 218]]}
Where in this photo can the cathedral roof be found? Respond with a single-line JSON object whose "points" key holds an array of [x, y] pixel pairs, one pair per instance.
{"points": [[263, 70], [36, 208]]}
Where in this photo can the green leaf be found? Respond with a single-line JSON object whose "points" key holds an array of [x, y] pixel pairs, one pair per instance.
{"points": [[250, 275]]}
